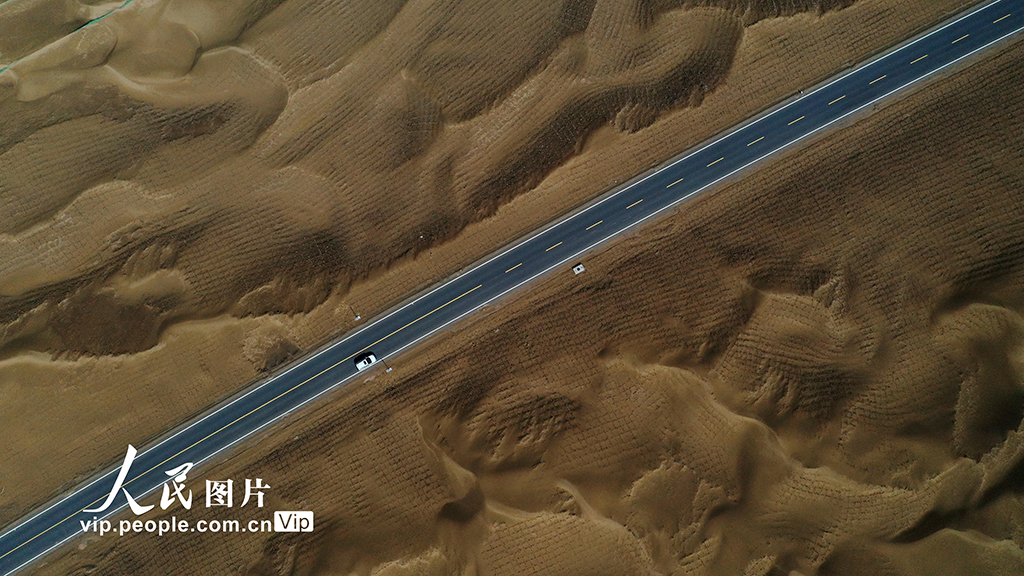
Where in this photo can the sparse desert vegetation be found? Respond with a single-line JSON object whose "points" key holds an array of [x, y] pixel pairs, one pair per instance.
{"points": [[187, 200], [817, 370]]}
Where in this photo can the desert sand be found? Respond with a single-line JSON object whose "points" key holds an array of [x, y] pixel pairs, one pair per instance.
{"points": [[816, 370], [190, 194]]}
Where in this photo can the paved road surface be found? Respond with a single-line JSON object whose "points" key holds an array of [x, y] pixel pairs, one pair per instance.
{"points": [[556, 247]]}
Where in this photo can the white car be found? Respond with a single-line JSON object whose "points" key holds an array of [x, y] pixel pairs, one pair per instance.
{"points": [[365, 360]]}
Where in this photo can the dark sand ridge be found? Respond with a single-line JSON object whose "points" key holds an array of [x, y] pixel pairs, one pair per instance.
{"points": [[170, 178], [818, 370]]}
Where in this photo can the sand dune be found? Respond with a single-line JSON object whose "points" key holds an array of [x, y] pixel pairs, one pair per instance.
{"points": [[797, 375], [192, 192], [210, 140], [222, 163]]}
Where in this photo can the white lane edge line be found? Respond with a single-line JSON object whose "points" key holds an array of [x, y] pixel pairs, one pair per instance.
{"points": [[544, 230], [545, 271]]}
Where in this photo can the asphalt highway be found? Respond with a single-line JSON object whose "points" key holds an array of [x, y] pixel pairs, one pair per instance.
{"points": [[555, 247]]}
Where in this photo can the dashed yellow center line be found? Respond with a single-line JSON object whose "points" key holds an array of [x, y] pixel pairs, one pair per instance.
{"points": [[674, 183], [299, 385], [247, 414], [15, 549], [882, 77], [399, 330], [304, 382]]}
